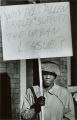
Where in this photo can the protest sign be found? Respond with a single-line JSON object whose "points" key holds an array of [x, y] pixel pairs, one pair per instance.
{"points": [[36, 31]]}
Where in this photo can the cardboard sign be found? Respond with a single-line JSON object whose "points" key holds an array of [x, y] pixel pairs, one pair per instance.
{"points": [[36, 31]]}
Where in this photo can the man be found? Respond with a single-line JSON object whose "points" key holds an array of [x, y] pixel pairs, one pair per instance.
{"points": [[57, 101]]}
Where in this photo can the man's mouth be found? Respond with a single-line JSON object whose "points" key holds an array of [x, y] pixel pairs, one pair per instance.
{"points": [[47, 81]]}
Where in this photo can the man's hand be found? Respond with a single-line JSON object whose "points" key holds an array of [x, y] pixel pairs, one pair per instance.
{"points": [[39, 102], [28, 114]]}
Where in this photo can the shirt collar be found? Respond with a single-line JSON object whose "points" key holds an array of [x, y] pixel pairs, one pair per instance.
{"points": [[52, 90]]}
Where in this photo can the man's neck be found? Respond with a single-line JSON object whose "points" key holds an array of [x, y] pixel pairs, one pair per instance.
{"points": [[48, 88]]}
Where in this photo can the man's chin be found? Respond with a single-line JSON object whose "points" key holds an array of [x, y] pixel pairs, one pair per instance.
{"points": [[47, 84]]}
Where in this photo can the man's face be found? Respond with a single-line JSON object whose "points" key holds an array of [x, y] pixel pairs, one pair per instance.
{"points": [[48, 79]]}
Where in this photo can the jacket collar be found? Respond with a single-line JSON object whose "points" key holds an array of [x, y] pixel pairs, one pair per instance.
{"points": [[53, 89]]}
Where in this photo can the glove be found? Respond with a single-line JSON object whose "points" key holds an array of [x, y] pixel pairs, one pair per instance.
{"points": [[39, 102]]}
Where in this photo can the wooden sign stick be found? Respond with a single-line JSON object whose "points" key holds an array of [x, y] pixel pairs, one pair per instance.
{"points": [[41, 87]]}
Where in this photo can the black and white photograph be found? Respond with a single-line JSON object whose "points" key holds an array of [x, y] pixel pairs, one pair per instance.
{"points": [[56, 99], [38, 60]]}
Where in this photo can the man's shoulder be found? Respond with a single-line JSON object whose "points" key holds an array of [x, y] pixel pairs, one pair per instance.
{"points": [[62, 93], [36, 90], [36, 87], [62, 90]]}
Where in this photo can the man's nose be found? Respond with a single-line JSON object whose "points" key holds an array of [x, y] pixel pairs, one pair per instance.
{"points": [[47, 76]]}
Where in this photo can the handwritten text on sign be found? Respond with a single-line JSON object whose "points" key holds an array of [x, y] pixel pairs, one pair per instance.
{"points": [[36, 30]]}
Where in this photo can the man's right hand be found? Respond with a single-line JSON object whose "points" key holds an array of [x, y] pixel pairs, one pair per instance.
{"points": [[39, 102]]}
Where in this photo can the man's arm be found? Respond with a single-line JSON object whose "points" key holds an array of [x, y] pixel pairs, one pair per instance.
{"points": [[26, 111], [30, 108], [28, 114], [69, 113]]}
